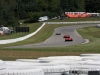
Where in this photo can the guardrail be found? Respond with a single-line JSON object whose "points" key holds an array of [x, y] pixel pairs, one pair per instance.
{"points": [[80, 22], [29, 35]]}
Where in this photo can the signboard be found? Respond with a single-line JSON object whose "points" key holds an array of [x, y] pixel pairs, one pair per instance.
{"points": [[22, 29]]}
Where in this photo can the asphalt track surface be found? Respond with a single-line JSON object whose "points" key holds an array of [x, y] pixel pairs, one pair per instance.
{"points": [[58, 40]]}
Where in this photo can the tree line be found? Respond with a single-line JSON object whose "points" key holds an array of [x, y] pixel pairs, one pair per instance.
{"points": [[11, 11]]}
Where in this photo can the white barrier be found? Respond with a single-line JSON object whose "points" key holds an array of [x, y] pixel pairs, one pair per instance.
{"points": [[59, 67], [80, 22], [54, 70], [25, 72], [28, 60], [27, 36], [2, 68], [90, 55]]}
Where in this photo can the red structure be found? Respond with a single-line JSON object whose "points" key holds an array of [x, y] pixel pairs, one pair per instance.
{"points": [[77, 14]]}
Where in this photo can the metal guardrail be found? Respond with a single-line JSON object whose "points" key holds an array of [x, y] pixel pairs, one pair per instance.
{"points": [[80, 22]]}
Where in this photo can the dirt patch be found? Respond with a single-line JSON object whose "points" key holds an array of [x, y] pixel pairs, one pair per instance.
{"points": [[13, 55]]}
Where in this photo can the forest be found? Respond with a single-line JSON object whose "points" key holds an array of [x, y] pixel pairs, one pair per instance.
{"points": [[11, 11]]}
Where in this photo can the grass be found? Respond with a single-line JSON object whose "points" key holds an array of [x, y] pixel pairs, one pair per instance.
{"points": [[44, 33], [91, 33], [32, 27]]}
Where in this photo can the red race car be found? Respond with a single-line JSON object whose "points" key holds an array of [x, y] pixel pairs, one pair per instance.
{"points": [[66, 36], [68, 39]]}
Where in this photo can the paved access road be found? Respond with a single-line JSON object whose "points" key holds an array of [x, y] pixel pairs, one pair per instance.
{"points": [[58, 40]]}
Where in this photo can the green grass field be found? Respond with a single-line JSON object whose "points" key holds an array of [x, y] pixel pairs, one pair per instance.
{"points": [[91, 33], [32, 27]]}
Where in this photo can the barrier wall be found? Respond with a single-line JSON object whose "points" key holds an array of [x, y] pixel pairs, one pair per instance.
{"points": [[59, 67], [2, 68], [54, 70], [28, 60], [80, 22], [27, 36]]}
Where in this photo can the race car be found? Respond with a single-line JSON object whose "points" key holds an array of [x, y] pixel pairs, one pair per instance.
{"points": [[58, 33], [68, 39], [66, 36]]}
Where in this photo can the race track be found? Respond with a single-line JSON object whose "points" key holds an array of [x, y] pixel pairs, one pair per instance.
{"points": [[58, 40]]}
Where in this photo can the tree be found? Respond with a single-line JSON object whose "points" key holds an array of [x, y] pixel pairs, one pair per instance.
{"points": [[33, 17], [53, 5], [42, 5], [79, 5], [64, 4], [20, 9], [92, 5]]}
